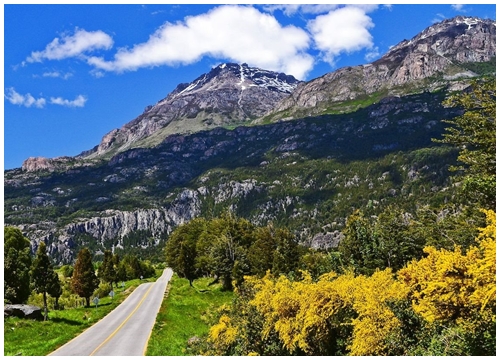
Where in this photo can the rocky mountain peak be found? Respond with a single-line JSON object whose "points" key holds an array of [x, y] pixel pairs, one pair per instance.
{"points": [[440, 51], [235, 76], [460, 40], [451, 28], [228, 94]]}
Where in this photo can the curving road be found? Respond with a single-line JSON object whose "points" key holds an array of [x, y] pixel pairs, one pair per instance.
{"points": [[125, 330]]}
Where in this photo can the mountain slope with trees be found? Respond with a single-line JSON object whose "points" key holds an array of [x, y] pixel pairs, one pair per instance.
{"points": [[390, 288], [308, 174]]}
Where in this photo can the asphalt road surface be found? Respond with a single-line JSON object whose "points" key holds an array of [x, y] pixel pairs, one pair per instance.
{"points": [[125, 330]]}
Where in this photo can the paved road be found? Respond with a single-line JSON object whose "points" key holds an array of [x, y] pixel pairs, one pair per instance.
{"points": [[125, 330]]}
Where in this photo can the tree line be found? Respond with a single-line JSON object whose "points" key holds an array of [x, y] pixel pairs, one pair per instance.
{"points": [[25, 275], [228, 248]]}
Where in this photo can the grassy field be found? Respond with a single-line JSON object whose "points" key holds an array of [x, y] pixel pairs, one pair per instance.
{"points": [[185, 313], [28, 337]]}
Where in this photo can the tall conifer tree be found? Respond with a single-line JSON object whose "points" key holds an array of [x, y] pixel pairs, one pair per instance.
{"points": [[43, 277]]}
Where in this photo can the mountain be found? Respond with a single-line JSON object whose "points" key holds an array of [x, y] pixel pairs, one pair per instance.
{"points": [[353, 141], [227, 95], [429, 61], [307, 174]]}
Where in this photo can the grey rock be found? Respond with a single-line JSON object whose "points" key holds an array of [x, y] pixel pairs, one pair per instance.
{"points": [[326, 241], [228, 94], [23, 311]]}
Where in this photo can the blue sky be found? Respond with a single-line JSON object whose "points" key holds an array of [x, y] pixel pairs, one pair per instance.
{"points": [[72, 73]]}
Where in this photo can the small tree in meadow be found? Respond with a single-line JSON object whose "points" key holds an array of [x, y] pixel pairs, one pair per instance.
{"points": [[107, 271], [84, 280]]}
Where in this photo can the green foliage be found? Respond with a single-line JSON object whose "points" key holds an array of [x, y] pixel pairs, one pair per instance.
{"points": [[181, 251], [260, 253], [17, 263], [103, 290], [356, 248], [185, 316], [131, 267], [286, 255], [107, 272], [317, 263], [482, 68], [229, 248], [43, 277], [474, 133], [394, 237], [84, 280], [67, 271]]}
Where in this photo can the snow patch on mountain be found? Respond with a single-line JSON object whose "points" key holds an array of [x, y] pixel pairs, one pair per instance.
{"points": [[240, 76]]}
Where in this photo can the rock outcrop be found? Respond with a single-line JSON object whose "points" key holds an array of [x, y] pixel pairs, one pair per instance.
{"points": [[38, 163], [114, 225], [23, 311]]}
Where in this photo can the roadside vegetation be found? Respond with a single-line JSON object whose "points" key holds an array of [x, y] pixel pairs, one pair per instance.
{"points": [[67, 296], [25, 337], [186, 315]]}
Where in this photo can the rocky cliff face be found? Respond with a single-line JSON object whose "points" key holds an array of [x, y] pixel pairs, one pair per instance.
{"points": [[228, 94], [113, 225], [439, 49]]}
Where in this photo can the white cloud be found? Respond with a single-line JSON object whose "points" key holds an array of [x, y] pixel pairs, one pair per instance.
{"points": [[57, 74], [234, 33], [29, 101], [97, 73], [372, 54], [79, 101], [438, 18], [459, 7], [292, 9], [23, 100], [341, 30], [71, 46]]}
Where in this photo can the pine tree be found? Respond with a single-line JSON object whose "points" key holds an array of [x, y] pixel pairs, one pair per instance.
{"points": [[17, 263], [107, 271], [84, 280], [55, 289], [43, 277]]}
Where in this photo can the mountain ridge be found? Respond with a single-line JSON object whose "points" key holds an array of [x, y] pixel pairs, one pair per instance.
{"points": [[439, 50], [307, 174], [236, 94], [229, 93]]}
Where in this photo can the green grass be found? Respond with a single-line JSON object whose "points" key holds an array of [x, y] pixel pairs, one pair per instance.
{"points": [[185, 313], [38, 338]]}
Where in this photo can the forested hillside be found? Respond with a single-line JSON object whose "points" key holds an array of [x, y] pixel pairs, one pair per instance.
{"points": [[399, 283]]}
